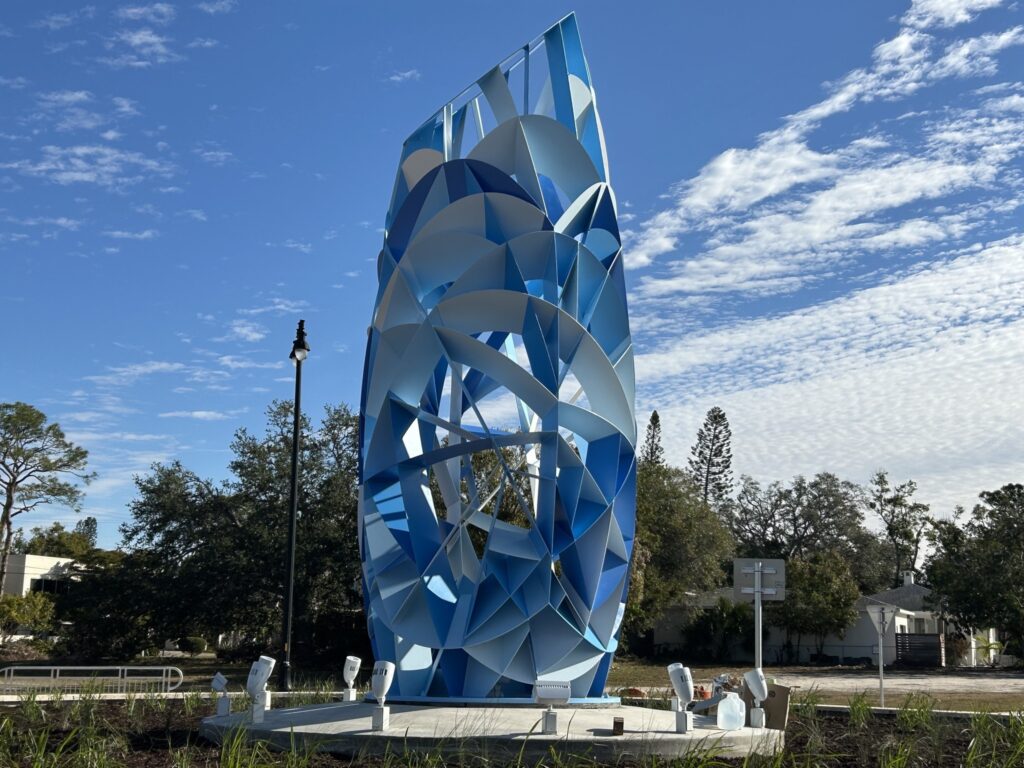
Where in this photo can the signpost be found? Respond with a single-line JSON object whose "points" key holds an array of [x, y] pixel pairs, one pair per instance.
{"points": [[881, 615], [758, 579]]}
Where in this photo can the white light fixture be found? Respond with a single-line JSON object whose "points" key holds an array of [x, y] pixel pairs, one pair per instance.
{"points": [[380, 684], [351, 669], [758, 687], [220, 685], [682, 683], [256, 686], [551, 692]]}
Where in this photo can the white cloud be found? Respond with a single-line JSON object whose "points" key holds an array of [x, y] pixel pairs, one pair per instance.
{"points": [[128, 374], [91, 164], [404, 76], [14, 83], [55, 99], [945, 13], [120, 234], [156, 13], [245, 330], [214, 156], [195, 214], [920, 375], [139, 49], [125, 107], [63, 222], [197, 415], [203, 42], [276, 306], [213, 7], [234, 363], [111, 135], [56, 21]]}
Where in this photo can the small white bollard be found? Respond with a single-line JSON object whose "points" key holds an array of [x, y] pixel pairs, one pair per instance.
{"points": [[549, 722], [223, 706], [260, 706], [684, 721], [381, 719], [675, 704], [757, 718], [349, 694]]}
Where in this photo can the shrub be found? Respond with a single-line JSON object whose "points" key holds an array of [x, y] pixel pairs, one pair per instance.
{"points": [[192, 645]]}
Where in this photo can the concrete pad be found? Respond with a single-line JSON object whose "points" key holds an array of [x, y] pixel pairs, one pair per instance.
{"points": [[345, 728]]}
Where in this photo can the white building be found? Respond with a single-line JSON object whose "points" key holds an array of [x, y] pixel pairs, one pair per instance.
{"points": [[35, 573]]}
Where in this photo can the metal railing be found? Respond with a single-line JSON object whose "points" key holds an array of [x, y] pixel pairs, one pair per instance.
{"points": [[90, 679]]}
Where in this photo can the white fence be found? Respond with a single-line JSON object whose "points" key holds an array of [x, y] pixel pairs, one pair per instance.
{"points": [[90, 679]]}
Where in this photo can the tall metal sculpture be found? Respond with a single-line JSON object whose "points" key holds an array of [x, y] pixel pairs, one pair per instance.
{"points": [[497, 500]]}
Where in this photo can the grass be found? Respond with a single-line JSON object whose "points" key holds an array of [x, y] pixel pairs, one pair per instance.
{"points": [[148, 731]]}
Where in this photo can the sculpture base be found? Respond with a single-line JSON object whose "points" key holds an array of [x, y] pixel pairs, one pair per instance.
{"points": [[445, 701]]}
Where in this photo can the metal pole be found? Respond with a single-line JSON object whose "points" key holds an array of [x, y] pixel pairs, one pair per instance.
{"points": [[757, 614], [881, 659], [285, 674]]}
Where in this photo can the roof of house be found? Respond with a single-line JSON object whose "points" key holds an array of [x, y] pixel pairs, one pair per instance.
{"points": [[909, 597]]}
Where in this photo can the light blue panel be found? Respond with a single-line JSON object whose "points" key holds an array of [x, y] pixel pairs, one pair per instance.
{"points": [[500, 282]]}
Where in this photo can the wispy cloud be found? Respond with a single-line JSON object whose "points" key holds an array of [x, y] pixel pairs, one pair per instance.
{"points": [[15, 83], [214, 155], [91, 164], [139, 49], [244, 330], [945, 13], [235, 362], [199, 415], [214, 7], [126, 375], [294, 245], [155, 13], [195, 214], [203, 42], [404, 76], [120, 234], [55, 21], [277, 307]]}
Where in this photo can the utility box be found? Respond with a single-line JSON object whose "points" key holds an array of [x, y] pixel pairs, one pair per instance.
{"points": [[776, 706]]}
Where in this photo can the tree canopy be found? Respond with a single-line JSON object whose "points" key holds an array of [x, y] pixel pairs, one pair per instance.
{"points": [[39, 466], [210, 558], [976, 568], [710, 462]]}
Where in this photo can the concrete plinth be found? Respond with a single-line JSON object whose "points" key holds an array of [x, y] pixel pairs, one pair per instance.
{"points": [[347, 728]]}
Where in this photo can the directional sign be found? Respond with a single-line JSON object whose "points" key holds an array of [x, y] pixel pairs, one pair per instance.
{"points": [[773, 579]]}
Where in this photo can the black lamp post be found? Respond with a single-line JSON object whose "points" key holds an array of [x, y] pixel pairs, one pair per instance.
{"points": [[300, 350]]}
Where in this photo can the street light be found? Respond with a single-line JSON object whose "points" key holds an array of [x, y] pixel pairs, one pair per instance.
{"points": [[300, 350]]}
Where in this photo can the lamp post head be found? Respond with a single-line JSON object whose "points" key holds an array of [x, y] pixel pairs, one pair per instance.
{"points": [[300, 348]]}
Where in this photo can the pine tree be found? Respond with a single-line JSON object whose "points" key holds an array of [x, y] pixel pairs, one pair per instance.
{"points": [[651, 453], [711, 458]]}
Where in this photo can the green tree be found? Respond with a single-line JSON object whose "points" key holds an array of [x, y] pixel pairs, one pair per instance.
{"points": [[904, 521], [680, 543], [976, 568], [35, 460], [210, 558], [58, 541], [821, 514], [820, 597], [33, 611], [710, 461]]}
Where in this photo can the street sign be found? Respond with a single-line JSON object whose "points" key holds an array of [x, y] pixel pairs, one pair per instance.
{"points": [[881, 615], [773, 579]]}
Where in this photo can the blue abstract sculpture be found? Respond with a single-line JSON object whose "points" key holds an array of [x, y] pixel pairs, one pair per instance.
{"points": [[499, 376]]}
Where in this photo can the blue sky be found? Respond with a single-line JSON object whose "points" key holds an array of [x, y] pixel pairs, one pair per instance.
{"points": [[822, 205]]}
